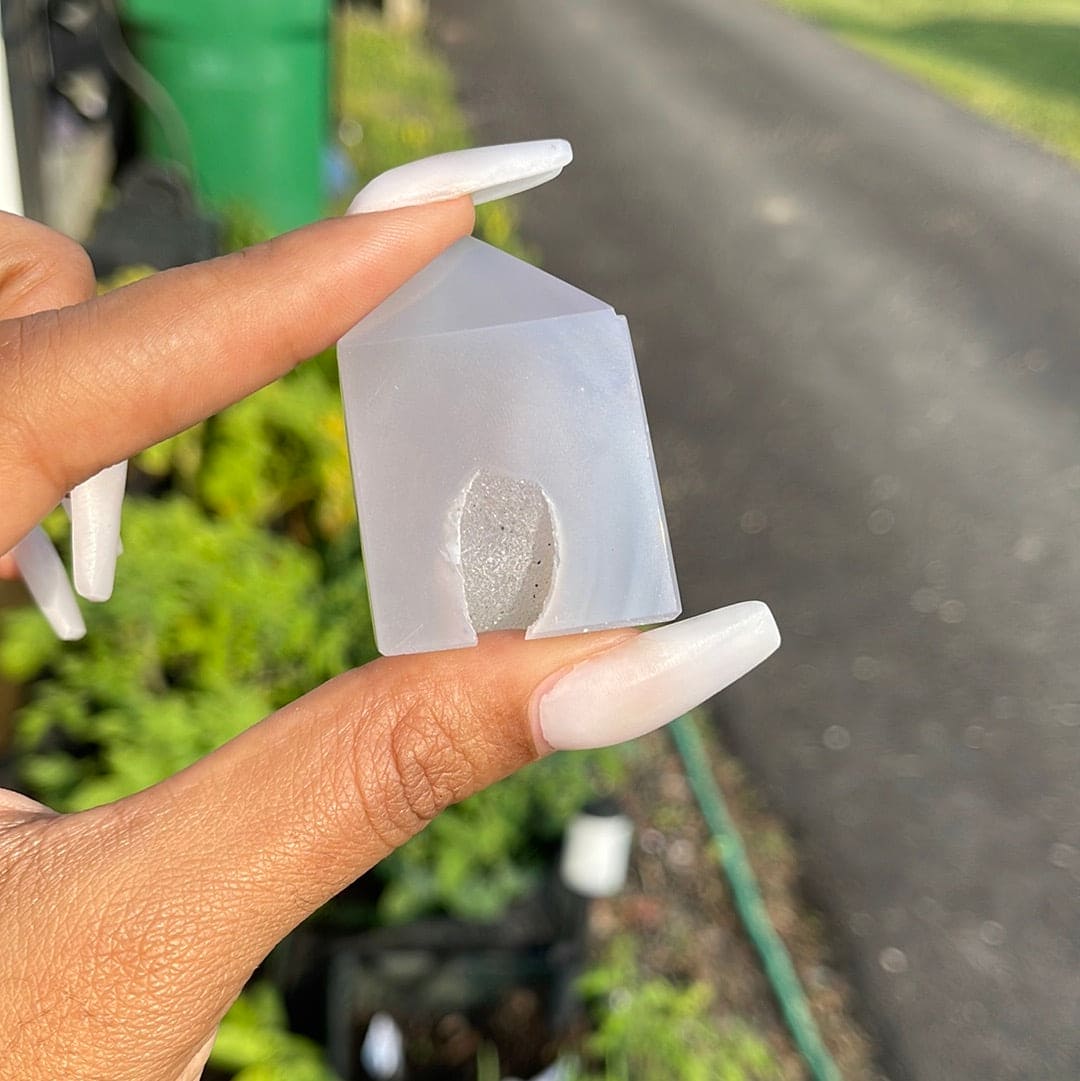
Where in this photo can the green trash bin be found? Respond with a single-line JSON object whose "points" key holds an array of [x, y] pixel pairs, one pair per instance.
{"points": [[250, 82]]}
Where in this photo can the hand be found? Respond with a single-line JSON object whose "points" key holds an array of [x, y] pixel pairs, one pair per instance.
{"points": [[126, 931]]}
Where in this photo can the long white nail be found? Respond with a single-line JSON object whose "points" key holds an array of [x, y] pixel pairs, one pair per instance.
{"points": [[43, 572], [95, 531], [642, 684], [485, 173]]}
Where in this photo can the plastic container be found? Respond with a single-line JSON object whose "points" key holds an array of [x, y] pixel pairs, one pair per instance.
{"points": [[250, 80], [596, 850], [501, 456]]}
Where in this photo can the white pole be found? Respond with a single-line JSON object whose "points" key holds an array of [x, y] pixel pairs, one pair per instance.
{"points": [[11, 198]]}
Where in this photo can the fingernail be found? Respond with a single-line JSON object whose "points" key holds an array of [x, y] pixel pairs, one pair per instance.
{"points": [[650, 680], [485, 173], [43, 572], [95, 531]]}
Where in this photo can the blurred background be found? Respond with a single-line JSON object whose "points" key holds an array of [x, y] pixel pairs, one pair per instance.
{"points": [[846, 235]]}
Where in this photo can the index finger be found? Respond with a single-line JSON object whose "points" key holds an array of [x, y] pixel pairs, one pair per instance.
{"points": [[89, 385]]}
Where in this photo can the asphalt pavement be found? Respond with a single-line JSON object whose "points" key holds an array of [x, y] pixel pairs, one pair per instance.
{"points": [[856, 309]]}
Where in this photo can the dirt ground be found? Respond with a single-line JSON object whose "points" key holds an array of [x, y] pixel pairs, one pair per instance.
{"points": [[678, 906]]}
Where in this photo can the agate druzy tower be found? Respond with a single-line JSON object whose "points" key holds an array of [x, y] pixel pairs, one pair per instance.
{"points": [[503, 469]]}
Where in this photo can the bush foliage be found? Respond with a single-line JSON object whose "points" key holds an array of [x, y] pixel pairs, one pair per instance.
{"points": [[651, 1029]]}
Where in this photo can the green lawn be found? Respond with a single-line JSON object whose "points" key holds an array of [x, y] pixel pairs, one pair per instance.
{"points": [[1017, 61]]}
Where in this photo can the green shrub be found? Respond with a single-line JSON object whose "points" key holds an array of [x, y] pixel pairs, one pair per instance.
{"points": [[650, 1029], [478, 857], [276, 458], [254, 1043], [397, 101], [214, 624]]}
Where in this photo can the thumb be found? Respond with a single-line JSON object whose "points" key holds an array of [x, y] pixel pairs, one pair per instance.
{"points": [[216, 864]]}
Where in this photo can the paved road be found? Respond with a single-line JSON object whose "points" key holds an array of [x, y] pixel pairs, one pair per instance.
{"points": [[857, 312]]}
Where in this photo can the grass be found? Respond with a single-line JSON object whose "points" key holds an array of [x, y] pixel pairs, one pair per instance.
{"points": [[397, 101], [1015, 61]]}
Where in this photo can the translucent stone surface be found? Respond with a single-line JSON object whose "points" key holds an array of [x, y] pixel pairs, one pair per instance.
{"points": [[486, 394]]}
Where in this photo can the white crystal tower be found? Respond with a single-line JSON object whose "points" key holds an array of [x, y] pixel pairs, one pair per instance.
{"points": [[503, 469]]}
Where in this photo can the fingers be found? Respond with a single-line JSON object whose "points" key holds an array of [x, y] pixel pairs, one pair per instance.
{"points": [[158, 908], [150, 914], [286, 815], [87, 386], [222, 860], [41, 269]]}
